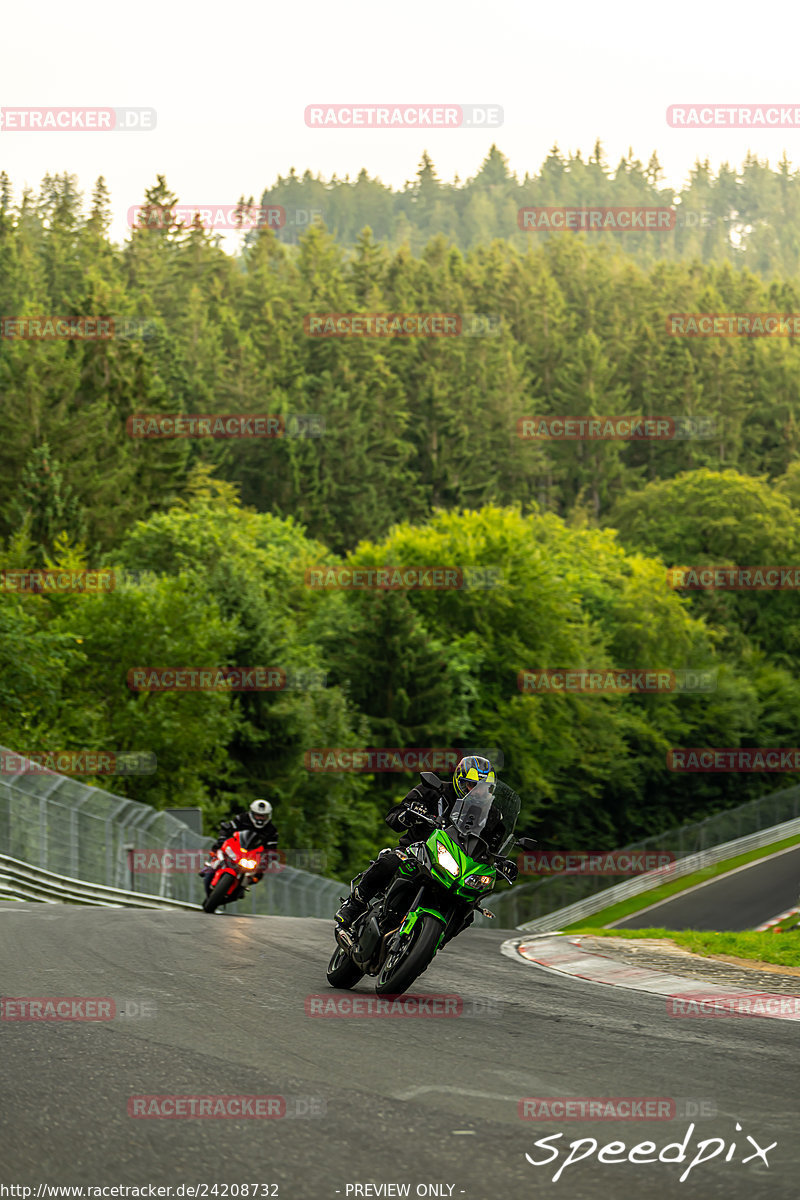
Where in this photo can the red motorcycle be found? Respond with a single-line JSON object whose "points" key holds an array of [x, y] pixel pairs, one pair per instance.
{"points": [[240, 861]]}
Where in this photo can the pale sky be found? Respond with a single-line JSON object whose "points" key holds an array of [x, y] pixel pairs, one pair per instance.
{"points": [[230, 84]]}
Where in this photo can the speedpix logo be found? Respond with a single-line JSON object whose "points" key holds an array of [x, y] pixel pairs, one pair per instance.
{"points": [[646, 1152]]}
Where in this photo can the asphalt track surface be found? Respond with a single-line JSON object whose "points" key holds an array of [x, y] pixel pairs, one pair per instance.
{"points": [[743, 899], [407, 1101]]}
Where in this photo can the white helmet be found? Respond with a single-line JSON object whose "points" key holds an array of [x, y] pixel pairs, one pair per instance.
{"points": [[260, 813]]}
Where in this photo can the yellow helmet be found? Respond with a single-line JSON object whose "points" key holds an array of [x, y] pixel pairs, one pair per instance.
{"points": [[471, 771]]}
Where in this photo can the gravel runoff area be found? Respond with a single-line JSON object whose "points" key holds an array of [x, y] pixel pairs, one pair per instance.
{"points": [[661, 954]]}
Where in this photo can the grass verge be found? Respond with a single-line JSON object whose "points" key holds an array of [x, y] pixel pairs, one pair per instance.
{"points": [[782, 949]]}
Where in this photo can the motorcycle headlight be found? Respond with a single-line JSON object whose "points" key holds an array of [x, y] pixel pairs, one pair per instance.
{"points": [[446, 860], [248, 863]]}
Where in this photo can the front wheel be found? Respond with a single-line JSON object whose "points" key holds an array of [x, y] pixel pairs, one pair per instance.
{"points": [[218, 894], [342, 971], [415, 953]]}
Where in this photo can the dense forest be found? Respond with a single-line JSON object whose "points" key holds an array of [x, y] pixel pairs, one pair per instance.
{"points": [[749, 216], [413, 458]]}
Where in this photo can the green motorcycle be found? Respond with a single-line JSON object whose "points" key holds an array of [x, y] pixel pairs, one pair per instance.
{"points": [[439, 883]]}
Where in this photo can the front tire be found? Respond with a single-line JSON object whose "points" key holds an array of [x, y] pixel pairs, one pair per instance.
{"points": [[398, 974], [218, 894], [342, 971]]}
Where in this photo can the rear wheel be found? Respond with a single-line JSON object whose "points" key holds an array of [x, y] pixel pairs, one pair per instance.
{"points": [[409, 960], [342, 971], [218, 894]]}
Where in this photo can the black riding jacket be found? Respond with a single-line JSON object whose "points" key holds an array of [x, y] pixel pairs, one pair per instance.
{"points": [[268, 834], [437, 798]]}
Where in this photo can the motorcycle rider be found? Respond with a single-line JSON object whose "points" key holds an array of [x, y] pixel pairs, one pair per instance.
{"points": [[425, 798], [257, 817]]}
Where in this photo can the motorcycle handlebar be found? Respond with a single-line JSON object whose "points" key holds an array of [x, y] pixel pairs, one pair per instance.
{"points": [[422, 815]]}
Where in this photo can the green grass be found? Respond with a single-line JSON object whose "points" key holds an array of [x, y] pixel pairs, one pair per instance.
{"points": [[616, 912], [780, 948]]}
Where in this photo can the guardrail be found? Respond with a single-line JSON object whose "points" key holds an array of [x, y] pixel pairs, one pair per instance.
{"points": [[306, 896], [67, 831], [22, 881], [652, 879]]}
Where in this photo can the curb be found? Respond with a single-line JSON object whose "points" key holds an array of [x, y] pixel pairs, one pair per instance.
{"points": [[790, 912], [564, 955]]}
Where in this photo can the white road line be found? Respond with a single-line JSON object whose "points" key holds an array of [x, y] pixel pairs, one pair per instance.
{"points": [[412, 1093]]}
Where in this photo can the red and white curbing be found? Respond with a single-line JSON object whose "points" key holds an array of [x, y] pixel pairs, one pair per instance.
{"points": [[791, 912], [564, 955]]}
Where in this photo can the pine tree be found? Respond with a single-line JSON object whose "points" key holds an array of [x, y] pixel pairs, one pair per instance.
{"points": [[44, 504]]}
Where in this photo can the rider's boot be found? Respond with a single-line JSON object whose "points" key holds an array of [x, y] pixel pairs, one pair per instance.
{"points": [[354, 907]]}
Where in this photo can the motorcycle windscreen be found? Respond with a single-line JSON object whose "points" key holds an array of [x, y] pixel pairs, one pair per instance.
{"points": [[250, 838], [490, 811]]}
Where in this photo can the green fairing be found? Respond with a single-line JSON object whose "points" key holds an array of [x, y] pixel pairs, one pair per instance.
{"points": [[467, 866]]}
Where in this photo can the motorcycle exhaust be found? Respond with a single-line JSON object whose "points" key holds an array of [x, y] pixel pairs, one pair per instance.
{"points": [[344, 940]]}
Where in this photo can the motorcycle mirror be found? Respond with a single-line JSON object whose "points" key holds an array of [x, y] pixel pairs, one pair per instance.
{"points": [[526, 843]]}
